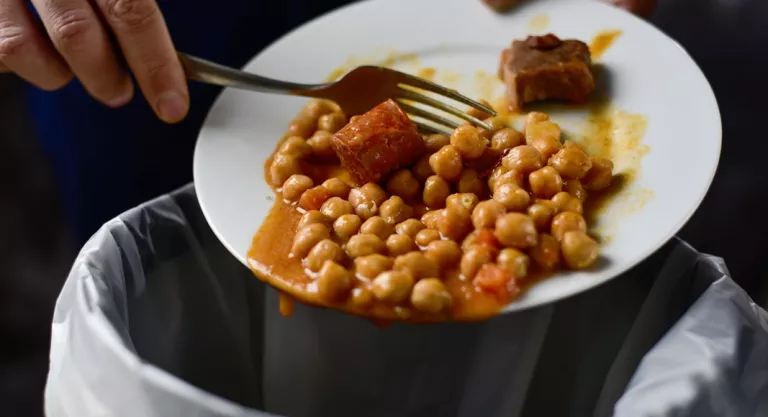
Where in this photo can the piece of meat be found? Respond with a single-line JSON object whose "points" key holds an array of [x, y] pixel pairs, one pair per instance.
{"points": [[546, 67], [378, 142]]}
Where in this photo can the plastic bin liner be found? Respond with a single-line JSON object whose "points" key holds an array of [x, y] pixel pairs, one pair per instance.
{"points": [[157, 319]]}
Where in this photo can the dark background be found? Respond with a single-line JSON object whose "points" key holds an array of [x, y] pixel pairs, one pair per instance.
{"points": [[727, 38]]}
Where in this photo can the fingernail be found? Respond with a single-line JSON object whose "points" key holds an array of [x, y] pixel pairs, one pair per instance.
{"points": [[172, 106]]}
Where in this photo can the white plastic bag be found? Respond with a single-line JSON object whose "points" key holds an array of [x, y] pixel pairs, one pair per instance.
{"points": [[157, 319]]}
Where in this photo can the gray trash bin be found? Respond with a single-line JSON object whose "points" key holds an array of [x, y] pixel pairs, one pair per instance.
{"points": [[157, 319]]}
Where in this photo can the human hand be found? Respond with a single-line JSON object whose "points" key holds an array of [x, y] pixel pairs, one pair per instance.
{"points": [[76, 42], [639, 7]]}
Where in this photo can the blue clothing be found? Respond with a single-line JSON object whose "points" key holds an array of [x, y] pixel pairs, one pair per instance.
{"points": [[109, 160]]}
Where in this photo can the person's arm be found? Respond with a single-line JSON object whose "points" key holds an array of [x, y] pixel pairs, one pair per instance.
{"points": [[77, 43]]}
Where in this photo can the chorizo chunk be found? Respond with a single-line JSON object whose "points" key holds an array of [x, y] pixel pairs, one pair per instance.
{"points": [[377, 143]]}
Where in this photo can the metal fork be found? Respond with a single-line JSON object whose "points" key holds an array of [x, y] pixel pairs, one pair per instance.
{"points": [[356, 92]]}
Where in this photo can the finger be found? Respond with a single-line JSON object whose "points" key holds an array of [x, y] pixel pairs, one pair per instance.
{"points": [[81, 39], [25, 51], [143, 37], [3, 68]]}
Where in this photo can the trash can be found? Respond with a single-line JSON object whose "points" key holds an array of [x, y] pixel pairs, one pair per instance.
{"points": [[158, 319]]}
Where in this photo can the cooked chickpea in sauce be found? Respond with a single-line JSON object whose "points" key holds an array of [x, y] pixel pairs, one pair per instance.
{"points": [[458, 232]]}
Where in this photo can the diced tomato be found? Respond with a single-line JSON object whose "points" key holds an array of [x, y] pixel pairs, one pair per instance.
{"points": [[492, 278]]}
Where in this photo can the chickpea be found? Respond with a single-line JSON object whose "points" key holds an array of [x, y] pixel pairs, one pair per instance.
{"points": [[435, 142], [333, 281], [367, 199], [362, 297], [302, 126], [436, 190], [318, 107], [474, 258], [546, 253], [399, 244], [283, 166], [296, 147], [363, 245], [409, 227], [376, 226], [402, 183], [320, 142], [394, 210], [445, 253], [337, 187], [497, 123], [484, 134], [483, 237], [372, 265], [579, 250], [468, 142], [566, 222], [332, 122], [346, 226], [429, 219], [325, 250], [422, 170], [470, 182], [566, 202], [430, 295], [447, 163], [514, 261], [524, 159], [545, 182], [542, 215], [312, 216], [576, 189], [295, 186], [392, 286], [466, 200], [419, 265], [546, 146], [479, 113], [516, 230], [571, 162], [599, 177], [336, 207], [507, 138], [307, 237], [512, 197], [314, 198], [542, 129], [455, 222], [374, 192], [572, 144], [486, 213], [496, 173], [426, 236], [534, 117]]}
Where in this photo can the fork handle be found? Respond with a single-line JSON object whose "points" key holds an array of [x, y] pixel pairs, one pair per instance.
{"points": [[208, 72]]}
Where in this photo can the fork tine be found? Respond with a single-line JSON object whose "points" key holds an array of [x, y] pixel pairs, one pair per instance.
{"points": [[415, 111], [417, 82], [421, 98]]}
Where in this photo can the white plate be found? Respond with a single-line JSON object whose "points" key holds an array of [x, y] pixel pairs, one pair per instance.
{"points": [[649, 74]]}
